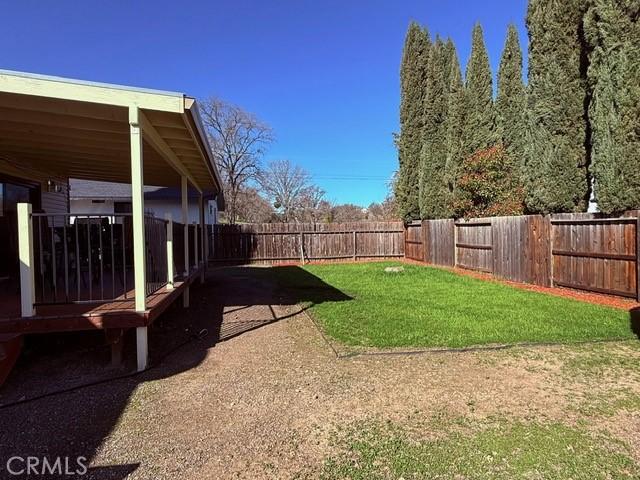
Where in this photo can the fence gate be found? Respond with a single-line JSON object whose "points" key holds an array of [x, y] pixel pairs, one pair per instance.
{"points": [[595, 254]]}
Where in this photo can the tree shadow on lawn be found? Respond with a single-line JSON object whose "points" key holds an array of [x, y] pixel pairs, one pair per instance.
{"points": [[233, 301]]}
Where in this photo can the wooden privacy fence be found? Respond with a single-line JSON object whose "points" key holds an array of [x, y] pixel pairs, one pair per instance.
{"points": [[286, 242], [582, 251]]}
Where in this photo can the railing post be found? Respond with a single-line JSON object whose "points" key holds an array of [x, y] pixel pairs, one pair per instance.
{"points": [[170, 272], [25, 254]]}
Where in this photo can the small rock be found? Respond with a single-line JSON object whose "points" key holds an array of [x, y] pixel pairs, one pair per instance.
{"points": [[394, 269]]}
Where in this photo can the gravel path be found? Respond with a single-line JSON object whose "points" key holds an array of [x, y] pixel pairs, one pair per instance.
{"points": [[261, 393]]}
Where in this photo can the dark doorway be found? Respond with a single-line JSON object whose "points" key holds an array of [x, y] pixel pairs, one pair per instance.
{"points": [[12, 192]]}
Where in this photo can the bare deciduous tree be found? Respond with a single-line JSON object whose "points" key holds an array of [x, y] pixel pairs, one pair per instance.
{"points": [[347, 212], [238, 140], [253, 208], [285, 184], [314, 208]]}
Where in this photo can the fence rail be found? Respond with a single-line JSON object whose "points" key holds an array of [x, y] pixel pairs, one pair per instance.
{"points": [[302, 242]]}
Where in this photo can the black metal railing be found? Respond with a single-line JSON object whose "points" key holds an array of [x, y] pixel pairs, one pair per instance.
{"points": [[88, 258], [156, 254]]}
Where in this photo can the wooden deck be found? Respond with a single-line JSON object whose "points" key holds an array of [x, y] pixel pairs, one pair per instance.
{"points": [[115, 314]]}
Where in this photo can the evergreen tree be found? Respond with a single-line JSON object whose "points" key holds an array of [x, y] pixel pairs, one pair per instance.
{"points": [[612, 29], [413, 72], [457, 109], [480, 122], [433, 192], [511, 99], [557, 131]]}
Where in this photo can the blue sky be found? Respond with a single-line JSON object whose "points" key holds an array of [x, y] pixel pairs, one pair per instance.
{"points": [[323, 74]]}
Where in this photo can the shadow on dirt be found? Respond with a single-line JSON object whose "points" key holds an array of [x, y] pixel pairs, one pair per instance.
{"points": [[75, 423]]}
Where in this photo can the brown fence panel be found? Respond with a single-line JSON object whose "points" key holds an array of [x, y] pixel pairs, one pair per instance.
{"points": [[474, 245], [440, 242], [595, 254], [282, 242], [414, 242]]}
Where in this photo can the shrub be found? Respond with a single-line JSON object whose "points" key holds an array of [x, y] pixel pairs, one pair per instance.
{"points": [[488, 185]]}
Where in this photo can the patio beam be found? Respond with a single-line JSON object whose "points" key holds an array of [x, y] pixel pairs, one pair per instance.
{"points": [[157, 142]]}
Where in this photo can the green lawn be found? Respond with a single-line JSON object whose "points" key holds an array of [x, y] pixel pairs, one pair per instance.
{"points": [[361, 304]]}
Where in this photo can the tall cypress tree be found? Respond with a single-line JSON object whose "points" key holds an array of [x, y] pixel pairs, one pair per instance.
{"points": [[433, 191], [613, 31], [511, 99], [556, 157], [457, 110], [413, 91], [480, 122]]}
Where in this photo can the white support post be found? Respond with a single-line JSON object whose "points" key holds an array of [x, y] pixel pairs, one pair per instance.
{"points": [[142, 348], [185, 222], [195, 245], [137, 203], [206, 237], [25, 254], [202, 235], [170, 273]]}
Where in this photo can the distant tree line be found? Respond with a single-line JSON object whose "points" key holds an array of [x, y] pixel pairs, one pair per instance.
{"points": [[278, 191], [571, 133]]}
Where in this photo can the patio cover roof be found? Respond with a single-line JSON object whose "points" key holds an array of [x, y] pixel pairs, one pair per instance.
{"points": [[81, 129]]}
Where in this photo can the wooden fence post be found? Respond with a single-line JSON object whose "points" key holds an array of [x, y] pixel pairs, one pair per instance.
{"points": [[425, 257], [550, 259], [638, 255], [355, 251], [302, 247], [455, 243]]}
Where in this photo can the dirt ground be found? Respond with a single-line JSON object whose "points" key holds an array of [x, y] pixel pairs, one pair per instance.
{"points": [[251, 389]]}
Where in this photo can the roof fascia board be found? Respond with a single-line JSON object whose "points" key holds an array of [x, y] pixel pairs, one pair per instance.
{"points": [[75, 90]]}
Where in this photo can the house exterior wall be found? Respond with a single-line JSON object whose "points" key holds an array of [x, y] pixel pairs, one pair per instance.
{"points": [[156, 207], [54, 189]]}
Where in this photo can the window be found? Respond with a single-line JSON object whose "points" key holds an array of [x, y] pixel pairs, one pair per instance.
{"points": [[122, 207]]}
